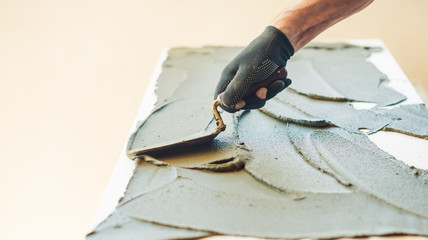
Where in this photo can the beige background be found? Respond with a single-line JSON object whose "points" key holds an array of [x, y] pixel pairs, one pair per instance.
{"points": [[73, 73]]}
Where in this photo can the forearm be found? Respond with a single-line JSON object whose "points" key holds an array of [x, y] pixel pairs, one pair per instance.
{"points": [[308, 18]]}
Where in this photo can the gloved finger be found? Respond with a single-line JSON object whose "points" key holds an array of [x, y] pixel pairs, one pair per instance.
{"points": [[235, 90], [226, 77], [261, 93], [229, 109], [254, 102], [245, 78], [276, 87]]}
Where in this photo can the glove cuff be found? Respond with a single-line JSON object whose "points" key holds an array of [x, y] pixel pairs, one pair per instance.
{"points": [[279, 39]]}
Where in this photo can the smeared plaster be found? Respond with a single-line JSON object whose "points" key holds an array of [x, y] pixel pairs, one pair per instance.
{"points": [[122, 227], [340, 114], [147, 179], [169, 79], [186, 204], [225, 153], [409, 119], [276, 163], [354, 158], [302, 72], [175, 118], [286, 113], [296, 181], [300, 137], [332, 71], [373, 173]]}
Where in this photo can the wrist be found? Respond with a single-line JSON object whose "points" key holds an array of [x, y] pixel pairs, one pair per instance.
{"points": [[285, 24], [286, 30], [284, 48]]}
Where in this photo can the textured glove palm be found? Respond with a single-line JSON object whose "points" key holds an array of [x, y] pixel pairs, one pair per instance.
{"points": [[255, 63]]}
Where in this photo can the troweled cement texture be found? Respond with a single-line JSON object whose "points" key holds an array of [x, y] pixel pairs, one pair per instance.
{"points": [[122, 227], [225, 153], [267, 176], [354, 158], [289, 106], [275, 160], [409, 119], [184, 93], [340, 114], [186, 204], [286, 113], [340, 71]]}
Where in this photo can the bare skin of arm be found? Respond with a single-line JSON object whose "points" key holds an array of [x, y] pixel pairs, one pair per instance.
{"points": [[306, 19]]}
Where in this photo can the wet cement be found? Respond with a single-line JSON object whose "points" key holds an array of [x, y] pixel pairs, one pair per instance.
{"points": [[291, 107], [122, 227], [286, 113], [276, 163], [340, 114], [190, 204], [357, 160], [303, 71], [225, 153], [184, 98], [410, 119], [402, 190], [263, 177], [340, 71], [194, 111]]}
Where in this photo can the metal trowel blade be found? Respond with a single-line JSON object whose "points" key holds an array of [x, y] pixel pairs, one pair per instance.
{"points": [[191, 140]]}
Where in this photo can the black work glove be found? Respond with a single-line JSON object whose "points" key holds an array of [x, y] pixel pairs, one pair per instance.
{"points": [[255, 63]]}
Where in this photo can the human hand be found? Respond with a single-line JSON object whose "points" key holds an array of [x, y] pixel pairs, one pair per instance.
{"points": [[252, 68]]}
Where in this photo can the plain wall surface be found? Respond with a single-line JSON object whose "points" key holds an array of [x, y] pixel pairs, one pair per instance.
{"points": [[73, 73]]}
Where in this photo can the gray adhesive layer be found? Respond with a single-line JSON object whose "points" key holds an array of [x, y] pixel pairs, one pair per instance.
{"points": [[127, 228], [300, 137], [357, 160], [302, 72], [120, 226], [372, 173], [340, 114], [225, 153], [160, 126], [299, 168], [186, 204], [276, 162], [410, 119], [333, 71], [286, 113]]}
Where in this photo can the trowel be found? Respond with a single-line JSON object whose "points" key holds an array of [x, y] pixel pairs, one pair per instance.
{"points": [[206, 135]]}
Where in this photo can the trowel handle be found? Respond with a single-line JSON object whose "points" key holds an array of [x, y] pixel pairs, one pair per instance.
{"points": [[279, 74], [219, 121]]}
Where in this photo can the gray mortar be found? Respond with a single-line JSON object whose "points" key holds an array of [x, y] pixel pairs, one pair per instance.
{"points": [[275, 161], [330, 72], [302, 72], [186, 204], [356, 159], [299, 136], [297, 181], [341, 114], [225, 153], [127, 228], [171, 123], [410, 119], [367, 170], [287, 113]]}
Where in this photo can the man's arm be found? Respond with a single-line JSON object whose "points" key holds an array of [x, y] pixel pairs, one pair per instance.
{"points": [[308, 18], [292, 30]]}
